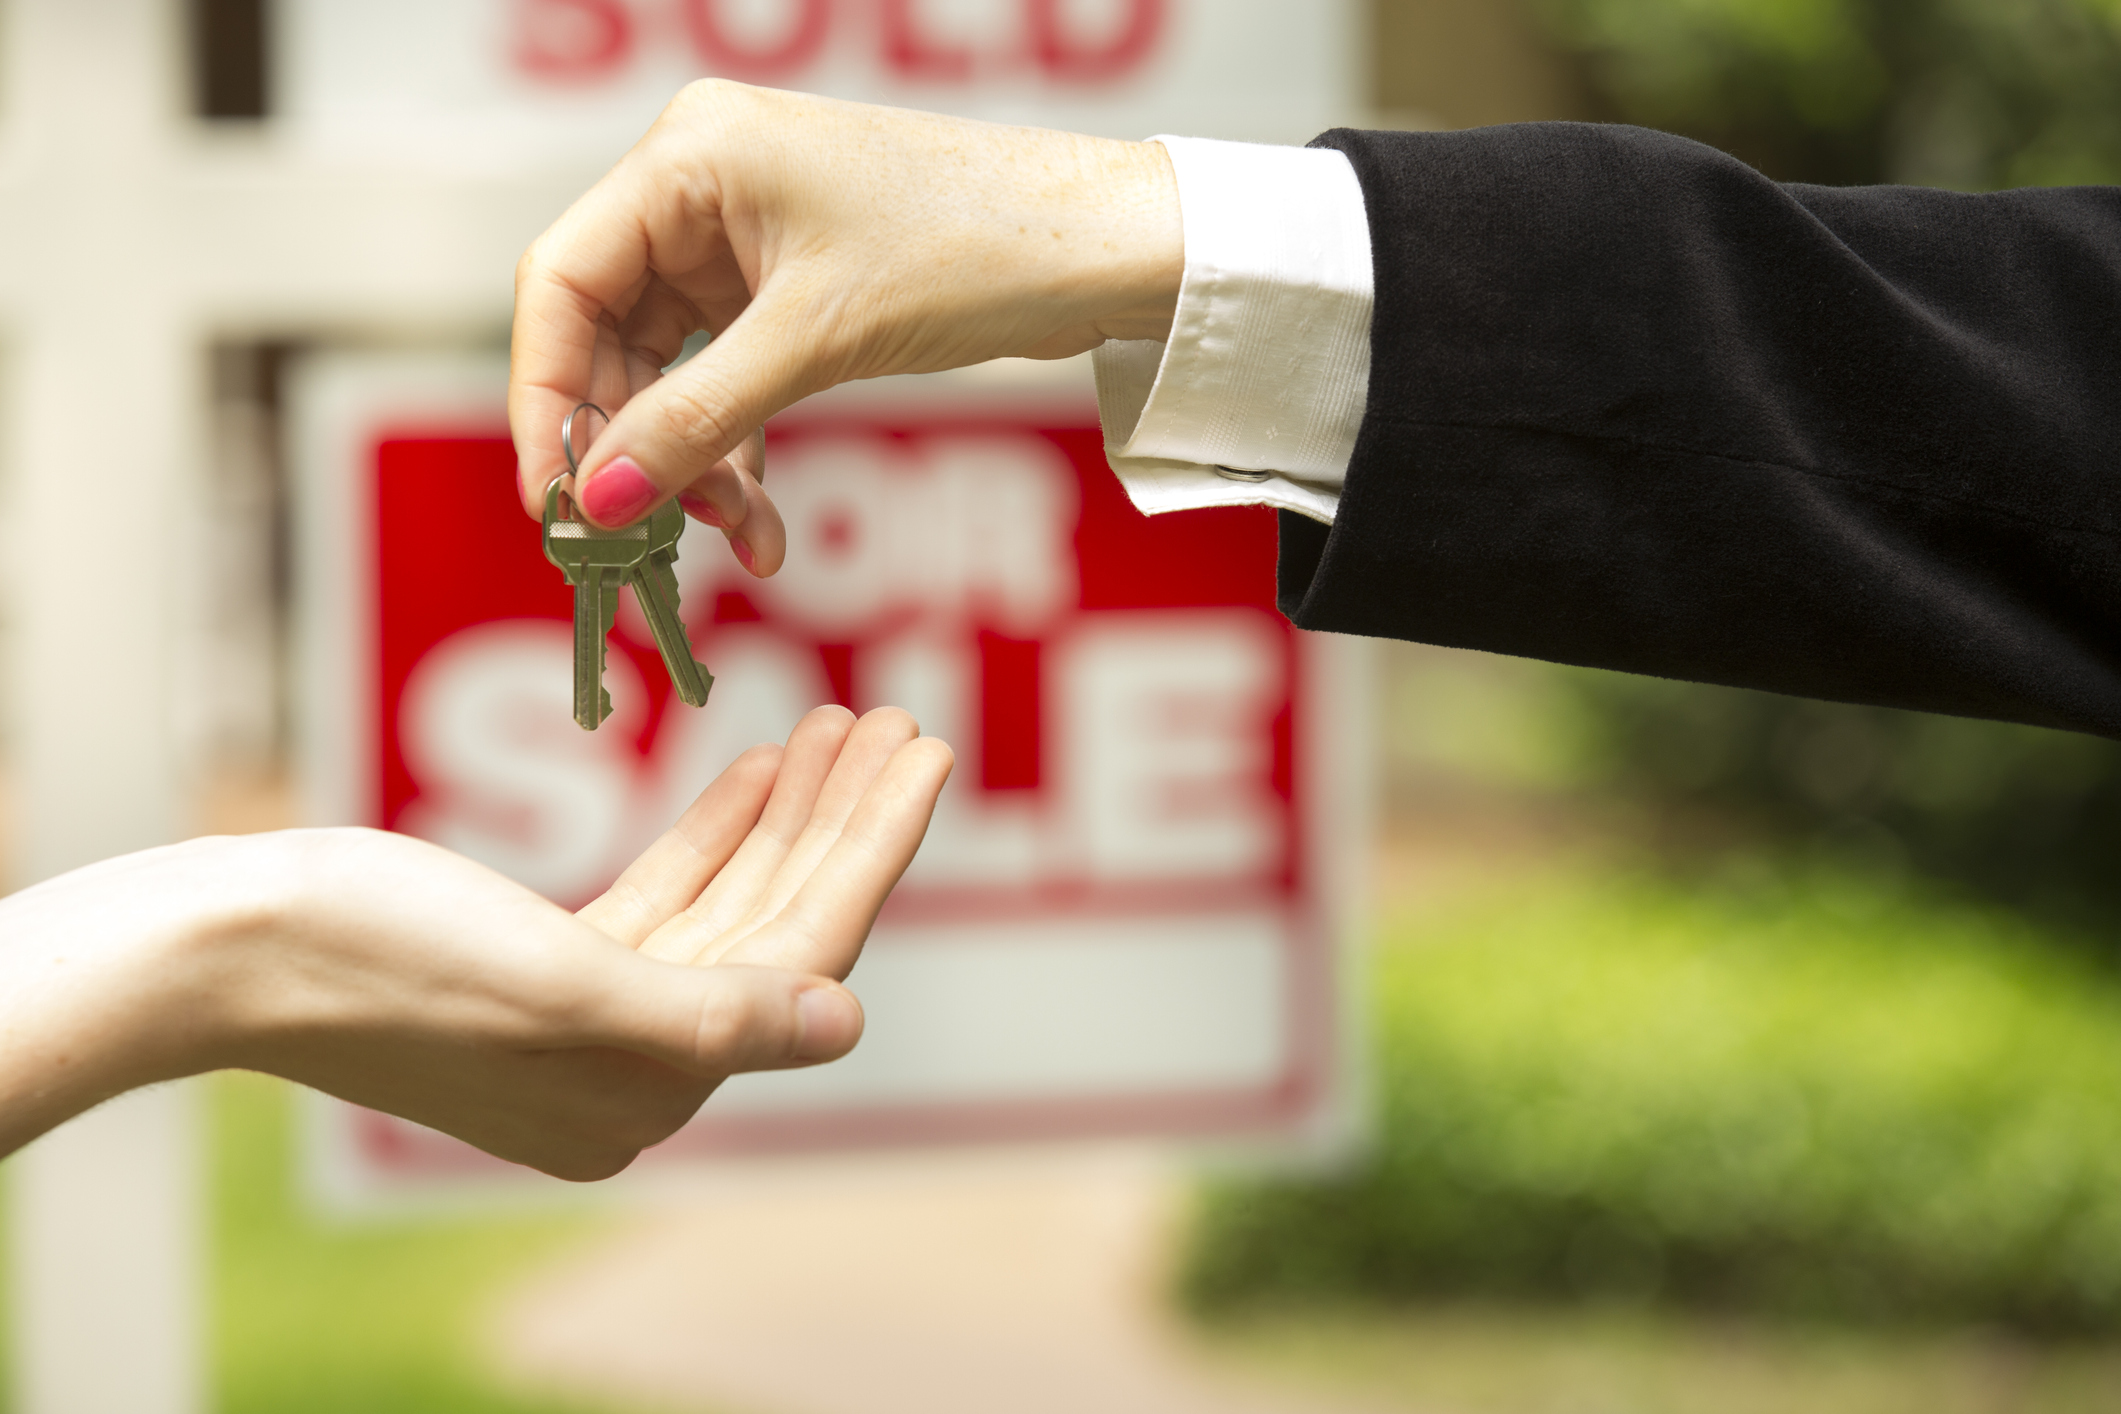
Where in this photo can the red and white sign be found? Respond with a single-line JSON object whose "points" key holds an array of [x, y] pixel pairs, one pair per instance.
{"points": [[1120, 923], [552, 83]]}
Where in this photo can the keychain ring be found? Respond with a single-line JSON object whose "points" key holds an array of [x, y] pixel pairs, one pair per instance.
{"points": [[567, 434]]}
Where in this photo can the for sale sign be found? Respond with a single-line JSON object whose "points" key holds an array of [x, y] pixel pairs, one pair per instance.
{"points": [[1119, 923]]}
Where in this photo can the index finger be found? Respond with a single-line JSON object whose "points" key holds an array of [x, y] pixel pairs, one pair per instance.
{"points": [[823, 927], [669, 876], [596, 259], [564, 283]]}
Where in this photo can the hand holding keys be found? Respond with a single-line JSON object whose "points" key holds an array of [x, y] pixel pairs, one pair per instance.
{"points": [[596, 562]]}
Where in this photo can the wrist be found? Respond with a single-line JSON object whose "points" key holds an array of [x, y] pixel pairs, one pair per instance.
{"points": [[1089, 244], [1144, 249]]}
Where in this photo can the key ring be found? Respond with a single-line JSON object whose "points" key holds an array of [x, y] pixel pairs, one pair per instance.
{"points": [[574, 468]]}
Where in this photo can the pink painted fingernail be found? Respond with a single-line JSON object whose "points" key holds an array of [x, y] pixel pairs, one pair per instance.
{"points": [[618, 493], [828, 1022], [743, 555], [701, 509]]}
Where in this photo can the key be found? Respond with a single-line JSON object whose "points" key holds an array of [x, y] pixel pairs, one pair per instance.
{"points": [[655, 585], [596, 562]]}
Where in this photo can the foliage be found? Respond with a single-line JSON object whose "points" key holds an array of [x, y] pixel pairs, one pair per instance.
{"points": [[1804, 1097], [326, 1317], [2021, 815], [1974, 94]]}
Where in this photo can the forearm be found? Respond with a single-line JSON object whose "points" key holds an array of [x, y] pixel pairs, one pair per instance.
{"points": [[105, 979], [1635, 406], [395, 974]]}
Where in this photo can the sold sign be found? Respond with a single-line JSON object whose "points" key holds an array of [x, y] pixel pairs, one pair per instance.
{"points": [[599, 41], [566, 86], [1119, 922]]}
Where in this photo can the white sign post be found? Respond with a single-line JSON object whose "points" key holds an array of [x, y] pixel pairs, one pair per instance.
{"points": [[131, 238]]}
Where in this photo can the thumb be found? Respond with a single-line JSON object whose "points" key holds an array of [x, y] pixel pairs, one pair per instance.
{"points": [[680, 427], [719, 1020]]}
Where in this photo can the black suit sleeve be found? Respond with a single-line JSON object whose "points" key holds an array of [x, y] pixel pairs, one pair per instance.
{"points": [[1636, 406]]}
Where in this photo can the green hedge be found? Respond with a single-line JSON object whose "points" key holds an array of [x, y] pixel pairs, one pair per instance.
{"points": [[1814, 1098], [2026, 817]]}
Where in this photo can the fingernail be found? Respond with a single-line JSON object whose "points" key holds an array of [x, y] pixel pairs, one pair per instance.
{"points": [[618, 493], [700, 509], [828, 1022], [744, 556]]}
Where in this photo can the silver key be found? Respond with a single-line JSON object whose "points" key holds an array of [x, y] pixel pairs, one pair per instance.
{"points": [[596, 562], [655, 585]]}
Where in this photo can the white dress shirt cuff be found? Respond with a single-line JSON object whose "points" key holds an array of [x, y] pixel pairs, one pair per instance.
{"points": [[1267, 369]]}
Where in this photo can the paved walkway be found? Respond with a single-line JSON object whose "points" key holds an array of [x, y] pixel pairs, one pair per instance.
{"points": [[1012, 1284]]}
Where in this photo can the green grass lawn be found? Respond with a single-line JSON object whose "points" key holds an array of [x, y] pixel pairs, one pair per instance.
{"points": [[328, 1318], [1472, 1359]]}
